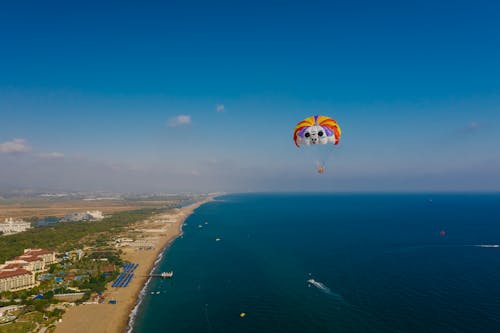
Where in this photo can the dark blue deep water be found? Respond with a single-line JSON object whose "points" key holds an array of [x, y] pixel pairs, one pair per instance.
{"points": [[379, 262]]}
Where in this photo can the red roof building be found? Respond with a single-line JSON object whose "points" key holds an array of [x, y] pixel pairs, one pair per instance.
{"points": [[16, 279], [49, 257]]}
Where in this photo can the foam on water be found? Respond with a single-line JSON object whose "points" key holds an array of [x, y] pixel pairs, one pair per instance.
{"points": [[324, 288], [143, 292], [393, 274]]}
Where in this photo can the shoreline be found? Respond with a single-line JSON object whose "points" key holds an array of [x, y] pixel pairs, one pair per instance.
{"points": [[114, 318], [142, 292]]}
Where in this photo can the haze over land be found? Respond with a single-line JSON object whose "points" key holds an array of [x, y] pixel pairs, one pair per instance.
{"points": [[174, 97], [127, 127], [39, 206]]}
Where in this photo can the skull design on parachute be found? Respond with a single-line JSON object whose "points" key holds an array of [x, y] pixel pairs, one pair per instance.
{"points": [[316, 130]]}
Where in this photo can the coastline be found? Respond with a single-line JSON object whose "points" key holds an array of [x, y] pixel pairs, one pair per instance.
{"points": [[114, 318]]}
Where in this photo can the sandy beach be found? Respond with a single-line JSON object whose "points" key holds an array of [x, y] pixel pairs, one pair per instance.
{"points": [[110, 318]]}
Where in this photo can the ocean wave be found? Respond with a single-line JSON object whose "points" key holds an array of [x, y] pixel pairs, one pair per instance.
{"points": [[142, 293], [133, 313]]}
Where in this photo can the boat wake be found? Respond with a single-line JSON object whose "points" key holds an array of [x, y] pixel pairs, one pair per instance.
{"points": [[487, 245], [324, 289]]}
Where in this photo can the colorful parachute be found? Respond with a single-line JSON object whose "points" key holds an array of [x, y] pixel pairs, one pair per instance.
{"points": [[316, 130]]}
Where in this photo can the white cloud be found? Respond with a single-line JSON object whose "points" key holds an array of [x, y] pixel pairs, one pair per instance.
{"points": [[15, 146], [51, 156], [474, 126], [471, 127], [179, 120], [220, 107]]}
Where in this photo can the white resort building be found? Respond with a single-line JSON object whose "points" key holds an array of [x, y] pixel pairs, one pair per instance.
{"points": [[90, 215], [49, 257], [16, 279], [11, 226], [19, 273], [31, 264]]}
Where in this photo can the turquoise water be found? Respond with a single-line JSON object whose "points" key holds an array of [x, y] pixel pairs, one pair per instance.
{"points": [[378, 262]]}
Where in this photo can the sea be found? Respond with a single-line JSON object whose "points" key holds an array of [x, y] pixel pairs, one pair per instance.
{"points": [[331, 263]]}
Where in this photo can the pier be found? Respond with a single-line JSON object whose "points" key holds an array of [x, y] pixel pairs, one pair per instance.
{"points": [[163, 275]]}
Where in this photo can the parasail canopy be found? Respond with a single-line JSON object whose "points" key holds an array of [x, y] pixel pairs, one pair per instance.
{"points": [[316, 130]]}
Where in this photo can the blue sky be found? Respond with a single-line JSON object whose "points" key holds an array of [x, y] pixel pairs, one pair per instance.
{"points": [[204, 96]]}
